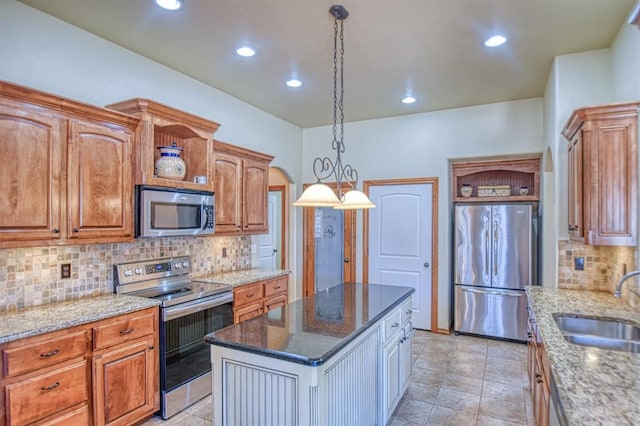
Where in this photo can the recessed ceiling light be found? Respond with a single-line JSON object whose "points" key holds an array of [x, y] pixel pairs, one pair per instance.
{"points": [[170, 4], [408, 100], [246, 51], [294, 83], [496, 40]]}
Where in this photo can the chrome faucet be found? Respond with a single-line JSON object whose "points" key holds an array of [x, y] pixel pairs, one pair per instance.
{"points": [[625, 277]]}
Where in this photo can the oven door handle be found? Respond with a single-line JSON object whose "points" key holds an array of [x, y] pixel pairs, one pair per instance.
{"points": [[174, 312]]}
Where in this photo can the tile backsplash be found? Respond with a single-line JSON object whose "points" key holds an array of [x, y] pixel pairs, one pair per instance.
{"points": [[31, 276], [603, 266]]}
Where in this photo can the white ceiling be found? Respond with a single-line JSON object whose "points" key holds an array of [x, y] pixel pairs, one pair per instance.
{"points": [[432, 48]]}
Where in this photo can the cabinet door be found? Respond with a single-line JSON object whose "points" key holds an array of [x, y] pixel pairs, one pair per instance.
{"points": [[99, 187], [255, 175], [575, 198], [124, 383], [247, 312], [275, 302], [391, 377], [228, 190], [614, 194], [30, 196]]}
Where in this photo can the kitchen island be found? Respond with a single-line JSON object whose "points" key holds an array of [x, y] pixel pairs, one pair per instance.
{"points": [[341, 356]]}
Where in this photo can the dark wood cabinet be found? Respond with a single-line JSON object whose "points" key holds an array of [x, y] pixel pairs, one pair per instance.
{"points": [[603, 174]]}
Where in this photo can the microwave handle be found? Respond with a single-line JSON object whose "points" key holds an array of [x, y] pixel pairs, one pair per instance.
{"points": [[210, 216]]}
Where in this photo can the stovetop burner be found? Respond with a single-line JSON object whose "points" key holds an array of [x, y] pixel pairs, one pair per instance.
{"points": [[166, 280]]}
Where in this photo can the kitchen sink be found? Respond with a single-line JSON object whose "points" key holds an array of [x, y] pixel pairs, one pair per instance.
{"points": [[605, 333]]}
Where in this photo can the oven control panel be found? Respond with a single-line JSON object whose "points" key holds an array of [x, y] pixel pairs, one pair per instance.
{"points": [[127, 273]]}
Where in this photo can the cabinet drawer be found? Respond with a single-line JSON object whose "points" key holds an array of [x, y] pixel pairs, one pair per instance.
{"points": [[246, 294], [77, 417], [123, 330], [406, 310], [42, 354], [275, 302], [275, 287], [392, 324], [41, 396], [247, 312]]}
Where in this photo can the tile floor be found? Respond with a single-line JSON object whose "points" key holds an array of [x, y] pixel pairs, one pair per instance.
{"points": [[457, 380]]}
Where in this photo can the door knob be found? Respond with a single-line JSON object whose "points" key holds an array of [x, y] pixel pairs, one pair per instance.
{"points": [[426, 264]]}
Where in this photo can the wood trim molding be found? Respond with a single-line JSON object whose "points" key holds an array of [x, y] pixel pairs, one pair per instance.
{"points": [[434, 239], [284, 197]]}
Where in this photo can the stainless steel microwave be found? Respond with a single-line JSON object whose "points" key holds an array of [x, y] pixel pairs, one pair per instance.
{"points": [[165, 212]]}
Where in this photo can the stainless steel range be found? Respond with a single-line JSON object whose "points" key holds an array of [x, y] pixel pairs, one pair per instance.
{"points": [[190, 309]]}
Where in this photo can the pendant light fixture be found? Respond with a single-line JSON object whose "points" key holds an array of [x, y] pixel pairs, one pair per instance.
{"points": [[345, 176]]}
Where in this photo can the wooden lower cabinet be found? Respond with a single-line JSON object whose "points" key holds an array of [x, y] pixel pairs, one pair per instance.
{"points": [[101, 373], [539, 374], [124, 387], [252, 300]]}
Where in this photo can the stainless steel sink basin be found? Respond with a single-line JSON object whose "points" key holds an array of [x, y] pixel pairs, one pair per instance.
{"points": [[602, 333]]}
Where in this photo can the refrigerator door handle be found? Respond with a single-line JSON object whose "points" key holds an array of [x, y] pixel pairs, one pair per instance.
{"points": [[495, 248], [514, 293], [486, 251]]}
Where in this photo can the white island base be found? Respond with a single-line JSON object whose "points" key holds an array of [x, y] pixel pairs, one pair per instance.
{"points": [[360, 384]]}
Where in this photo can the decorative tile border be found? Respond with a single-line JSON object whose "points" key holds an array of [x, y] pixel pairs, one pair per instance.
{"points": [[31, 276]]}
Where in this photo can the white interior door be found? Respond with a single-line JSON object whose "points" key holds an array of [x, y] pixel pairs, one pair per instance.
{"points": [[400, 242], [269, 244]]}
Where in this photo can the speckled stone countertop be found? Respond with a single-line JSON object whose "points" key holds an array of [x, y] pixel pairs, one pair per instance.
{"points": [[594, 386], [56, 316], [245, 276], [311, 330]]}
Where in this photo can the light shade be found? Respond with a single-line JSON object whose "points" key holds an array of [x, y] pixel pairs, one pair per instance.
{"points": [[317, 195], [355, 199]]}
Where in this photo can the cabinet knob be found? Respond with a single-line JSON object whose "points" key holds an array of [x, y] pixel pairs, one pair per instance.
{"points": [[75, 230], [346, 260], [151, 347], [56, 230]]}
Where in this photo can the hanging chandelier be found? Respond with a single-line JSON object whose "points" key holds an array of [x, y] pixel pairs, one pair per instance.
{"points": [[345, 176]]}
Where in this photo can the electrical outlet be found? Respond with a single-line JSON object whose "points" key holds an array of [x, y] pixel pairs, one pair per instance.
{"points": [[224, 252], [579, 263], [65, 271]]}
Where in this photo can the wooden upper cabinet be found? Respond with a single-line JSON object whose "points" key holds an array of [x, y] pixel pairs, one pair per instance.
{"points": [[228, 187], [41, 137], [241, 188], [100, 181], [30, 175], [603, 174], [162, 125]]}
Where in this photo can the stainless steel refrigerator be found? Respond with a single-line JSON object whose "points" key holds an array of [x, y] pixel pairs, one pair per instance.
{"points": [[495, 258]]}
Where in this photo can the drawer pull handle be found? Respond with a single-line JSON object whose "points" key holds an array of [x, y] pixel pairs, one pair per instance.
{"points": [[151, 347], [127, 331], [48, 354], [277, 287], [250, 295], [538, 380], [394, 325], [48, 388], [408, 312]]}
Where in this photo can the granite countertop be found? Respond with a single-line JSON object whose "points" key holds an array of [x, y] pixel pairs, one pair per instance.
{"points": [[311, 330], [57, 316], [594, 386], [245, 276]]}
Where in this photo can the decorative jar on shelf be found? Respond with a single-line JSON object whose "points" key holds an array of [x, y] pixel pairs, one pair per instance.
{"points": [[170, 165], [466, 190], [524, 191]]}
